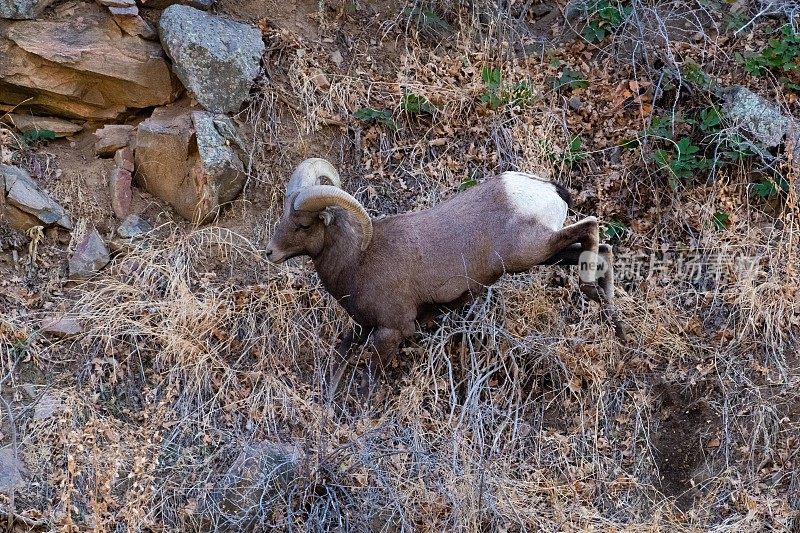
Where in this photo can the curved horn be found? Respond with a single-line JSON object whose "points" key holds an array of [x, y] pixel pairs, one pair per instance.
{"points": [[310, 172], [318, 197]]}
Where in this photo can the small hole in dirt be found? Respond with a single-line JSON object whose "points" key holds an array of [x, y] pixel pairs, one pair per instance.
{"points": [[686, 425]]}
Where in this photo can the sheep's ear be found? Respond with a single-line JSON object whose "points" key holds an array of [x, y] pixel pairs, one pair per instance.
{"points": [[326, 216]]}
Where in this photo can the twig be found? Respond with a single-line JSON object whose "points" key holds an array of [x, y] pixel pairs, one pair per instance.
{"points": [[13, 430], [15, 517]]}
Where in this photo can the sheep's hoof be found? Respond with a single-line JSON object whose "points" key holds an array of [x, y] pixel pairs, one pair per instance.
{"points": [[621, 329], [592, 291], [366, 388]]}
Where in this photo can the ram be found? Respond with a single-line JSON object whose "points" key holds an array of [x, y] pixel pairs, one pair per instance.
{"points": [[388, 272]]}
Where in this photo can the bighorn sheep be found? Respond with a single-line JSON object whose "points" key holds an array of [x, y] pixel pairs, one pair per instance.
{"points": [[388, 272]]}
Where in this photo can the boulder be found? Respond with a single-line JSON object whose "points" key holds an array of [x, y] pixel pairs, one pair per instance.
{"points": [[162, 152], [80, 64], [191, 160], [119, 183], [28, 123], [89, 257], [761, 119], [216, 58], [22, 9], [219, 168], [17, 219], [111, 138], [30, 206]]}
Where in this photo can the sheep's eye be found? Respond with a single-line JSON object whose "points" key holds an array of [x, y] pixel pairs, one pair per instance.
{"points": [[304, 226]]}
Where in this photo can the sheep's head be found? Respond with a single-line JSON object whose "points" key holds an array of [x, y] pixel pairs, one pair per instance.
{"points": [[307, 212]]}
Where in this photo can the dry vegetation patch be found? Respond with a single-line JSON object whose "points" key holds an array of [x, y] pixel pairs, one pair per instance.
{"points": [[520, 412]]}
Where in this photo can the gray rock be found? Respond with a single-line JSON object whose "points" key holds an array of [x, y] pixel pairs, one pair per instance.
{"points": [[124, 10], [61, 326], [90, 256], [22, 9], [111, 138], [219, 169], [216, 58], [254, 484], [24, 194], [117, 3], [133, 226], [192, 160], [11, 470], [761, 119], [47, 406]]}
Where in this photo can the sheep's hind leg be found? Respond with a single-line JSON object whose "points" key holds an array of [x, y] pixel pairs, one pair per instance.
{"points": [[572, 255], [586, 234], [605, 269]]}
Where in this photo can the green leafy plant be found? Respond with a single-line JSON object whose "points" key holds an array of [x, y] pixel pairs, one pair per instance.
{"points": [[695, 74], [521, 94], [494, 82], [569, 79], [771, 187], [659, 128], [498, 94], [736, 21], [615, 229], [351, 8], [606, 17], [466, 184], [38, 135], [721, 220], [574, 152], [415, 105], [680, 161], [735, 149], [370, 114], [27, 139], [427, 18], [710, 119], [781, 55]]}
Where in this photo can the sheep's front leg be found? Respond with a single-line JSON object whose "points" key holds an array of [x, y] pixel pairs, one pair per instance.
{"points": [[385, 344], [340, 364]]}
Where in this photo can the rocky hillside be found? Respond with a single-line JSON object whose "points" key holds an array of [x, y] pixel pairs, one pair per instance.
{"points": [[158, 374]]}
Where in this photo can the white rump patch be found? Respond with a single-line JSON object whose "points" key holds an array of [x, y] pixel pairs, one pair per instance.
{"points": [[535, 198]]}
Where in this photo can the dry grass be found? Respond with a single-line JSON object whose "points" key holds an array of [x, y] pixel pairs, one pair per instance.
{"points": [[520, 412]]}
